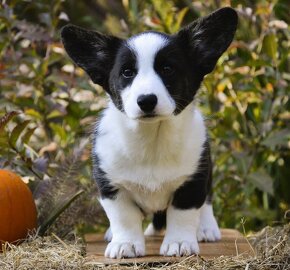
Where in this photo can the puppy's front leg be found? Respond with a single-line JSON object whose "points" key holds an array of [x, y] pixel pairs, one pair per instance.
{"points": [[180, 237], [126, 225]]}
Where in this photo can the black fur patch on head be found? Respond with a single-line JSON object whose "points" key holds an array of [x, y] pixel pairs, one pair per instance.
{"points": [[125, 61], [193, 193], [175, 69], [193, 52]]}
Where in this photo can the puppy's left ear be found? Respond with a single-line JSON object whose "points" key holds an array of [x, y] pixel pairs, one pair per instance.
{"points": [[207, 38], [92, 51]]}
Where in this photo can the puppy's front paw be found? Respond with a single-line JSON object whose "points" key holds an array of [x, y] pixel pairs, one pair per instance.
{"points": [[179, 248], [208, 232], [117, 250]]}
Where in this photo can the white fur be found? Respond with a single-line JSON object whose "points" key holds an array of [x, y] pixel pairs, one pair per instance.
{"points": [[208, 228], [180, 237], [126, 227], [150, 160], [147, 80], [151, 231]]}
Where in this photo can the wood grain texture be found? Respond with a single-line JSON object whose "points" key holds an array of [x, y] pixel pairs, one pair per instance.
{"points": [[232, 244]]}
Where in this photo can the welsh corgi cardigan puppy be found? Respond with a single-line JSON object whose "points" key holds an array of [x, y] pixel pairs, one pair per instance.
{"points": [[151, 154]]}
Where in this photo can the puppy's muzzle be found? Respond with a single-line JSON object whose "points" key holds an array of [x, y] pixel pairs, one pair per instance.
{"points": [[147, 103]]}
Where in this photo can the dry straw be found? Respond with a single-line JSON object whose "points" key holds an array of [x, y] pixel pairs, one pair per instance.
{"points": [[271, 245]]}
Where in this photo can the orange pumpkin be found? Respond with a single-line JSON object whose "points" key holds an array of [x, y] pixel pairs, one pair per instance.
{"points": [[17, 208]]}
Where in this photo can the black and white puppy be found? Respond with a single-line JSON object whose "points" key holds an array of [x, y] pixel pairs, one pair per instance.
{"points": [[150, 150]]}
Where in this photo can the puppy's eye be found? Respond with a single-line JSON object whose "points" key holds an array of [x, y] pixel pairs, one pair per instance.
{"points": [[128, 73], [167, 70]]}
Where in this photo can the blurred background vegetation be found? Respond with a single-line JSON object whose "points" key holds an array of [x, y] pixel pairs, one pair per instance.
{"points": [[48, 106]]}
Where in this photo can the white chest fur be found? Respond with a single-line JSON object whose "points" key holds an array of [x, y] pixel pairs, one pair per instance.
{"points": [[150, 160]]}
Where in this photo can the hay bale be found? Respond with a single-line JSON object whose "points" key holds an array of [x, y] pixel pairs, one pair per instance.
{"points": [[271, 246], [42, 253]]}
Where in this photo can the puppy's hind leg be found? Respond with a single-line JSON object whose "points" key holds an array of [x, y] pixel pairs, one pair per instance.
{"points": [[208, 230], [157, 225]]}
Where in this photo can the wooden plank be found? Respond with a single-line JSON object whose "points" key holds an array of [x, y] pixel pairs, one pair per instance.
{"points": [[231, 244]]}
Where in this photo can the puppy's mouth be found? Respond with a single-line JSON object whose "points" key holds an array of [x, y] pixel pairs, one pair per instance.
{"points": [[148, 115], [151, 118], [148, 118]]}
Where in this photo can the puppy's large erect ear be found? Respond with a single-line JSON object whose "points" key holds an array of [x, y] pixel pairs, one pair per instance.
{"points": [[208, 37], [92, 51]]}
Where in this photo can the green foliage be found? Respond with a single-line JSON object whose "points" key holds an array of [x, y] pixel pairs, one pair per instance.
{"points": [[248, 104], [47, 105]]}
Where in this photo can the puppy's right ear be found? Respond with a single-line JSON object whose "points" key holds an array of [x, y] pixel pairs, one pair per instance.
{"points": [[92, 51], [207, 38]]}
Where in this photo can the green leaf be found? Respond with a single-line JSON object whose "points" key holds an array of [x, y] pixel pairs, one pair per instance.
{"points": [[54, 114], [59, 130], [270, 45], [28, 134], [262, 180], [34, 113], [16, 132], [277, 138], [222, 158], [4, 146], [179, 18], [59, 209]]}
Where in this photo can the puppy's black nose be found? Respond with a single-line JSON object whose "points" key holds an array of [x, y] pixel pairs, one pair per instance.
{"points": [[147, 103]]}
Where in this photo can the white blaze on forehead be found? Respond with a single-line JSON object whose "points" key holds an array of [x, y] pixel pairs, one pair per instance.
{"points": [[146, 46]]}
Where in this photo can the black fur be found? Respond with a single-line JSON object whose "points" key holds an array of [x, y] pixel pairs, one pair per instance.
{"points": [[125, 59], [193, 193], [106, 190], [92, 51], [159, 220], [181, 82], [207, 38]]}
